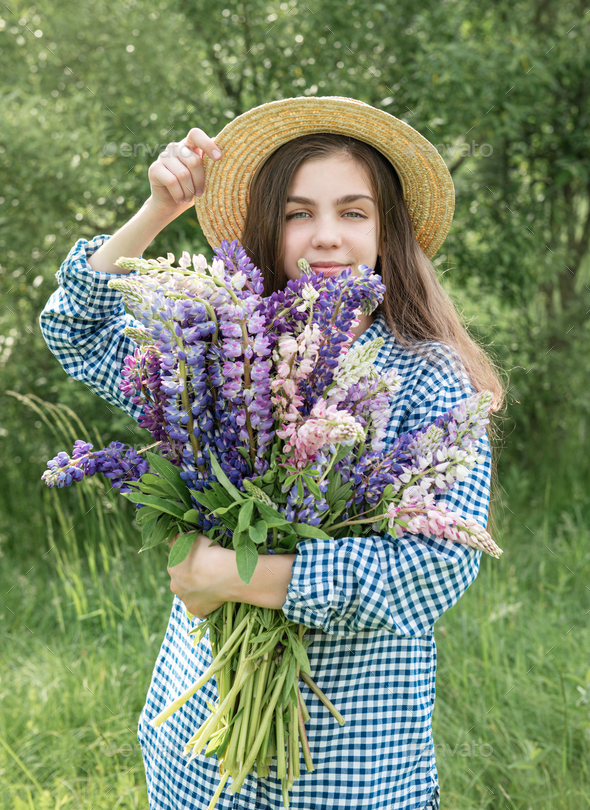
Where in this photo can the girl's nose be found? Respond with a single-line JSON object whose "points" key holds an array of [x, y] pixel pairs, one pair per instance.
{"points": [[326, 234]]}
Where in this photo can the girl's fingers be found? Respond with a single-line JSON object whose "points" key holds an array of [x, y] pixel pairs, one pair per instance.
{"points": [[197, 139], [178, 172], [161, 176]]}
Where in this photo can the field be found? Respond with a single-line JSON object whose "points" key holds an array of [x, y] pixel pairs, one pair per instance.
{"points": [[84, 616]]}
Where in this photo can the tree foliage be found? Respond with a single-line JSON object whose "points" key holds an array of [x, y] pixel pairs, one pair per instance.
{"points": [[92, 94]]}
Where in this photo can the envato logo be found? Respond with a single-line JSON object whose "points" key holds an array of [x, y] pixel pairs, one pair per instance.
{"points": [[472, 149], [467, 149], [465, 750], [134, 149], [164, 747]]}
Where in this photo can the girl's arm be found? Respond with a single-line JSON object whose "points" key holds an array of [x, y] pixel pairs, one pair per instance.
{"points": [[84, 319], [175, 178], [400, 585]]}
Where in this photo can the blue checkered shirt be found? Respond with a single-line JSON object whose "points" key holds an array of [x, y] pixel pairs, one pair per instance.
{"points": [[369, 603]]}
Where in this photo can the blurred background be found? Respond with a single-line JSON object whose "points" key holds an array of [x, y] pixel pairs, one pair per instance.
{"points": [[90, 96]]}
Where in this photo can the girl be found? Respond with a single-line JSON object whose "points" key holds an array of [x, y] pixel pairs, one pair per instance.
{"points": [[340, 184]]}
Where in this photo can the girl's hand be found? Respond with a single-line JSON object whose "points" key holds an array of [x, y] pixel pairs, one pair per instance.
{"points": [[199, 579], [177, 175]]}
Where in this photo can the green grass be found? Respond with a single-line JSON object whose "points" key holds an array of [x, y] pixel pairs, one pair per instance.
{"points": [[82, 626], [85, 615]]}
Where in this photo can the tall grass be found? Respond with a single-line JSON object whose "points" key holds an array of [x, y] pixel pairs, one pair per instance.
{"points": [[83, 622], [85, 616]]}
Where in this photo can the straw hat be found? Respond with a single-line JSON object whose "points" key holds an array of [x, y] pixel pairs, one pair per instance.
{"points": [[252, 137]]}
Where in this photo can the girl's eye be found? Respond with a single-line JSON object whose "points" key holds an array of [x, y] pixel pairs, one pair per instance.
{"points": [[354, 214]]}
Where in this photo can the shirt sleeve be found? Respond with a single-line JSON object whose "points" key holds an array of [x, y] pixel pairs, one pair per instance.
{"points": [[83, 322], [402, 585]]}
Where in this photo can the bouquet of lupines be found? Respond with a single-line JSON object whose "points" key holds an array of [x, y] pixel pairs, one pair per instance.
{"points": [[269, 426]]}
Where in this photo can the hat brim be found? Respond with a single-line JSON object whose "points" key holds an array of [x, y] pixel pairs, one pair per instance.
{"points": [[248, 140]]}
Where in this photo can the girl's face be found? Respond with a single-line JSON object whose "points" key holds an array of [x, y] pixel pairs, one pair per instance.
{"points": [[331, 217]]}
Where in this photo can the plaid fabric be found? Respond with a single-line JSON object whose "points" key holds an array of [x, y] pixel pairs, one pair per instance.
{"points": [[369, 603]]}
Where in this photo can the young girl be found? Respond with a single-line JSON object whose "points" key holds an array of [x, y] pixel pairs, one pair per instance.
{"points": [[340, 184]]}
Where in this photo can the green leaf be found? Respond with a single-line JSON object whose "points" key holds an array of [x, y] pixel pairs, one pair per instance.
{"points": [[245, 515], [342, 452], [244, 453], [246, 556], [258, 532], [206, 498], [289, 481], [171, 473], [199, 632], [223, 479], [160, 492], [170, 507], [299, 653], [335, 483], [288, 543], [145, 513], [192, 516], [147, 528], [273, 518], [289, 680], [222, 510], [181, 548], [313, 532], [159, 533], [314, 489]]}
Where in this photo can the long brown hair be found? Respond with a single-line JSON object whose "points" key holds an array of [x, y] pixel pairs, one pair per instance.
{"points": [[416, 307]]}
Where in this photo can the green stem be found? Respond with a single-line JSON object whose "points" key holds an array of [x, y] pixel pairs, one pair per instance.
{"points": [[217, 793], [261, 756], [246, 702], [205, 732], [285, 789], [280, 734], [294, 739], [227, 650], [243, 676], [247, 766], [328, 704], [260, 686], [303, 735], [304, 709], [229, 760]]}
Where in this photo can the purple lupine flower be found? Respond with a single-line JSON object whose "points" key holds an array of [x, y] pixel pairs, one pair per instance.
{"points": [[117, 462]]}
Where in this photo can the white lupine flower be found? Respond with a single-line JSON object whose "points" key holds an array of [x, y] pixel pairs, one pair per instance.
{"points": [[391, 381], [199, 263], [309, 293], [217, 268], [238, 280], [357, 364], [461, 472]]}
